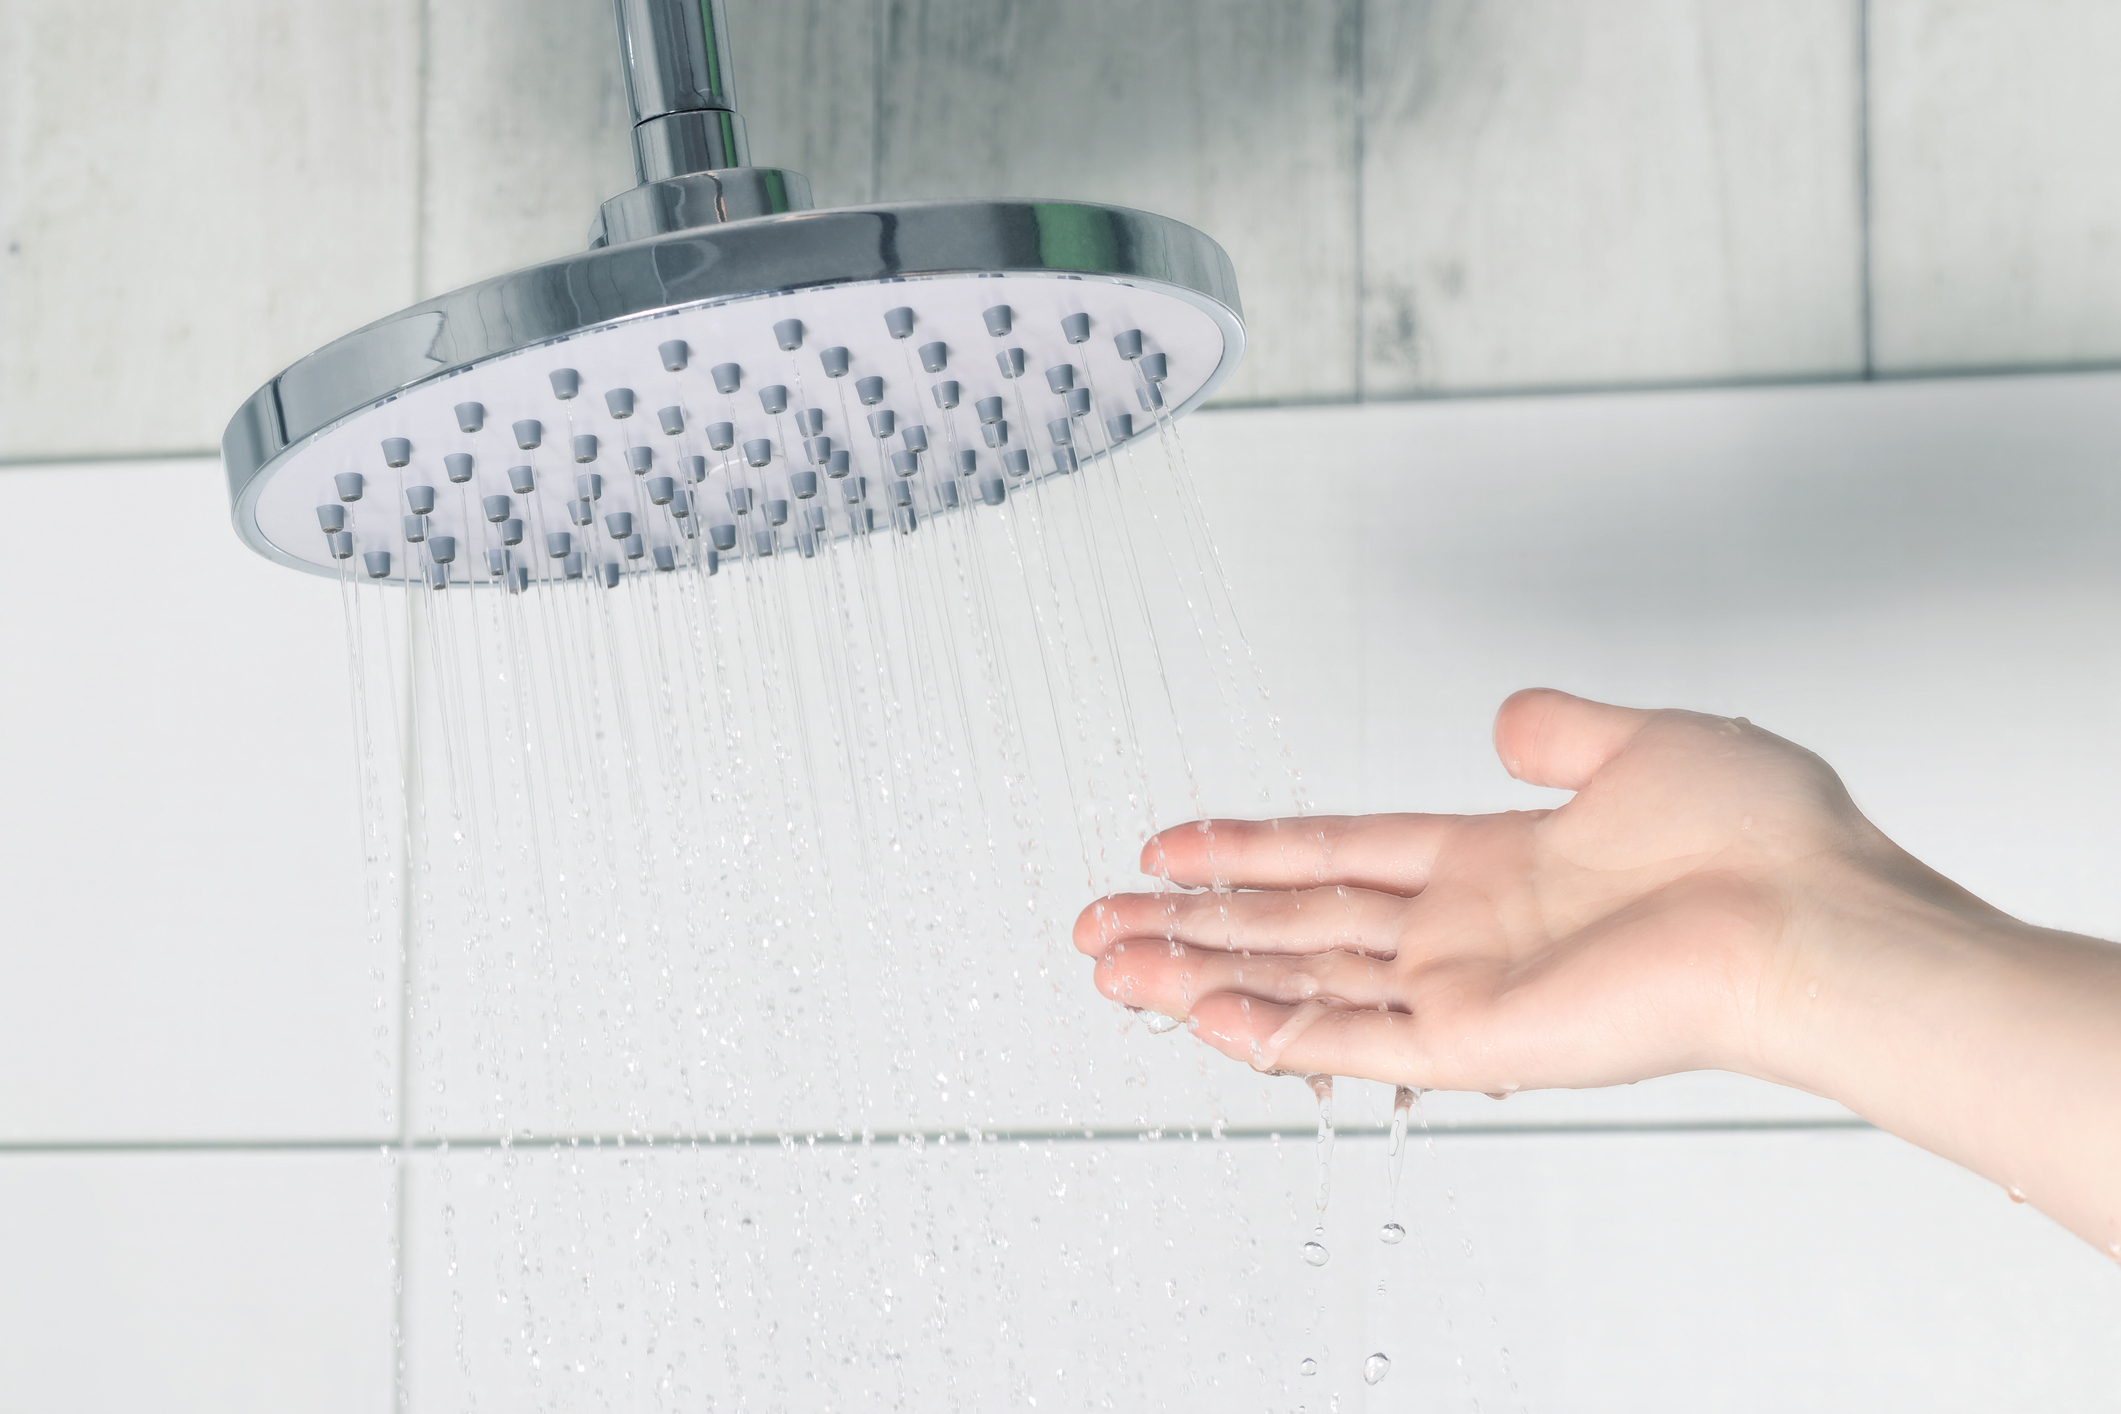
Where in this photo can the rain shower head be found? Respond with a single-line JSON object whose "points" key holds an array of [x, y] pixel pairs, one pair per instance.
{"points": [[727, 371]]}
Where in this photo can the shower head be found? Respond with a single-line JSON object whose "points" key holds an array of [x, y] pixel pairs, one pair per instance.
{"points": [[722, 336]]}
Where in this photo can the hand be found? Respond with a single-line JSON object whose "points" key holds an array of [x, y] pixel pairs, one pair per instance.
{"points": [[1657, 922]]}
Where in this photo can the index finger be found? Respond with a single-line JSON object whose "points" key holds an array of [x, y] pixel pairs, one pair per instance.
{"points": [[1389, 853]]}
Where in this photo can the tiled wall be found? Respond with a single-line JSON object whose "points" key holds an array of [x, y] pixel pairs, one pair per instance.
{"points": [[202, 1117], [1422, 197]]}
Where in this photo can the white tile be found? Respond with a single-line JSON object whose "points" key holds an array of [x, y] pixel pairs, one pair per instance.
{"points": [[185, 943], [1237, 119], [232, 1282], [1656, 190], [1996, 210], [1763, 1271], [527, 134], [191, 199]]}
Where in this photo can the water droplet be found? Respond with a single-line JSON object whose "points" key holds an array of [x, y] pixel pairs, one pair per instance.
{"points": [[1391, 1232], [1157, 1022], [1307, 1366], [1375, 1368], [2017, 1195], [1315, 1253]]}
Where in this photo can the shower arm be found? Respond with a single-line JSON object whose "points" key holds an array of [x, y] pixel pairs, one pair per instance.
{"points": [[690, 154]]}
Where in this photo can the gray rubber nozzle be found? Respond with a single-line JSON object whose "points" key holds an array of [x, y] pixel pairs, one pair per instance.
{"points": [[855, 488], [996, 433], [496, 508], [571, 566], [915, 436], [1018, 462], [1129, 343], [839, 466], [777, 512], [665, 558], [1078, 402], [906, 519], [396, 451], [1120, 426], [774, 397], [585, 447], [470, 416], [522, 480], [640, 459], [457, 466], [1011, 363], [901, 493], [415, 528], [989, 409], [870, 390], [949, 494], [1061, 377], [672, 419], [579, 512], [945, 394], [695, 469], [935, 357], [559, 543], [1149, 396], [341, 543], [810, 421], [442, 548], [1064, 459], [806, 544], [818, 450], [589, 486], [803, 484], [420, 500], [609, 573], [762, 543], [905, 463], [997, 319], [899, 321], [619, 524], [519, 581], [1076, 327], [331, 519], [740, 500], [496, 563], [660, 489], [348, 485], [1154, 367], [814, 517], [681, 505], [758, 451], [619, 402], [675, 353], [835, 361], [635, 547], [512, 532], [883, 422], [438, 576], [721, 435], [530, 434], [728, 377], [377, 563], [723, 536], [565, 383], [788, 333], [967, 463], [993, 490]]}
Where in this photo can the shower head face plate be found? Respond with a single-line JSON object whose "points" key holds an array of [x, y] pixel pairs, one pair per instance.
{"points": [[1190, 320]]}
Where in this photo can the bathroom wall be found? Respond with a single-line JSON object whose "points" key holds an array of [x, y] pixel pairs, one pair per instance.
{"points": [[1750, 295]]}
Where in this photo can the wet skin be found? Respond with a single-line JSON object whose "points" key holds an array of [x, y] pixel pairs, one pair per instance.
{"points": [[1709, 898]]}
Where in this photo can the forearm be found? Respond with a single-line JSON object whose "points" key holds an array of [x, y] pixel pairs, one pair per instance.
{"points": [[1992, 1043]]}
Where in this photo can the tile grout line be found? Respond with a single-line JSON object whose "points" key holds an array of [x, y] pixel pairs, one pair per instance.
{"points": [[1867, 310], [1171, 1133]]}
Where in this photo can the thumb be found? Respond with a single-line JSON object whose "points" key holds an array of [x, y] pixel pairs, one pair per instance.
{"points": [[1548, 738]]}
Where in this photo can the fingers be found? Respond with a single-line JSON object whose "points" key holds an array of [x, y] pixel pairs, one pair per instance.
{"points": [[1170, 977], [1278, 921], [1318, 1036], [1548, 738], [1387, 852]]}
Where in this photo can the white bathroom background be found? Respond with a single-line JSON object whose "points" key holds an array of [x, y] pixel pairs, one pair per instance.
{"points": [[1760, 356]]}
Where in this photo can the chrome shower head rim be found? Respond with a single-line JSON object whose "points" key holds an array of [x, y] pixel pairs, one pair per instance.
{"points": [[711, 267]]}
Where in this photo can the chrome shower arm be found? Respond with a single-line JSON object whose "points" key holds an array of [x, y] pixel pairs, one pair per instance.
{"points": [[680, 87], [690, 154]]}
